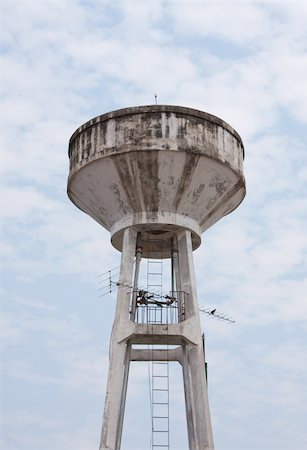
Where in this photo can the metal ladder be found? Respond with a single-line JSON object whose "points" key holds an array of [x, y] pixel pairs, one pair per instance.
{"points": [[160, 405], [154, 286], [159, 369]]}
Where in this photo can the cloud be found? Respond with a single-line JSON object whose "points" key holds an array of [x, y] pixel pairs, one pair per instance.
{"points": [[22, 202], [76, 363], [51, 432]]}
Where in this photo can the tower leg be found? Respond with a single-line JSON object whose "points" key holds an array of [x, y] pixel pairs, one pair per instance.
{"points": [[196, 399], [120, 353], [193, 363]]}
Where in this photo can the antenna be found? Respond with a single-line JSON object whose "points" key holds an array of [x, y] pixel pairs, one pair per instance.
{"points": [[106, 281], [156, 99], [110, 283], [216, 314]]}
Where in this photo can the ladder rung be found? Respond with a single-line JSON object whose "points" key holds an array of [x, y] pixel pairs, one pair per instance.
{"points": [[160, 403]]}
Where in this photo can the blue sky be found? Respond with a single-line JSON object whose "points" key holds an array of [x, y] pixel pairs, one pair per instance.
{"points": [[64, 62]]}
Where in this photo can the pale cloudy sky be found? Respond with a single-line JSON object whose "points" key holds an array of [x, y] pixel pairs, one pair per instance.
{"points": [[66, 61]]}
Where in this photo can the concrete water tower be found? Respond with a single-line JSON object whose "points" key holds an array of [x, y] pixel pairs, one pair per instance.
{"points": [[156, 177]]}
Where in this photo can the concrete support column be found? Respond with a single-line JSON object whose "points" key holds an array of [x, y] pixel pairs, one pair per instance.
{"points": [[193, 364], [120, 352]]}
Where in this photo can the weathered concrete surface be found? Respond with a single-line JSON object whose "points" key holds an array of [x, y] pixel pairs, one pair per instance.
{"points": [[158, 166], [119, 353], [193, 362]]}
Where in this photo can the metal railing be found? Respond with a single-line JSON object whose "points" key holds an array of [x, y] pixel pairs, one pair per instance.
{"points": [[168, 309]]}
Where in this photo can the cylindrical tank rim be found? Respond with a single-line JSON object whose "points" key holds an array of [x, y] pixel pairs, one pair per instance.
{"points": [[156, 108]]}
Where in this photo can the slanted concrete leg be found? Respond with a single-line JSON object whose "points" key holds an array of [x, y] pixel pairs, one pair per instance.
{"points": [[115, 398], [188, 398], [193, 364], [196, 397], [120, 353]]}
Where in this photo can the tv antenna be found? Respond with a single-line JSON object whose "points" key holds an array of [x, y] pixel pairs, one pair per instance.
{"points": [[216, 314], [109, 281]]}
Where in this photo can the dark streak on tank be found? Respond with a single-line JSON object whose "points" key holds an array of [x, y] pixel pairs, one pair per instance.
{"points": [[148, 167], [196, 193], [191, 161], [167, 131], [123, 207], [220, 185], [128, 179]]}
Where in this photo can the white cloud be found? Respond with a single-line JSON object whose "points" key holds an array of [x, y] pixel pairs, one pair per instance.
{"points": [[22, 202], [51, 432], [66, 341], [247, 24]]}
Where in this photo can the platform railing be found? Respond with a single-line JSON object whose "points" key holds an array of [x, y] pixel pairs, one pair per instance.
{"points": [[169, 309]]}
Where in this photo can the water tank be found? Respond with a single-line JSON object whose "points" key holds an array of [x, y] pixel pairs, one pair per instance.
{"points": [[157, 168]]}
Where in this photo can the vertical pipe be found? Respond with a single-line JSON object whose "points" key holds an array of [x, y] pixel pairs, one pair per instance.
{"points": [[177, 280], [173, 284], [139, 252]]}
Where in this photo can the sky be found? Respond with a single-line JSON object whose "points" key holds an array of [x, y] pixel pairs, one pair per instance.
{"points": [[64, 62]]}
